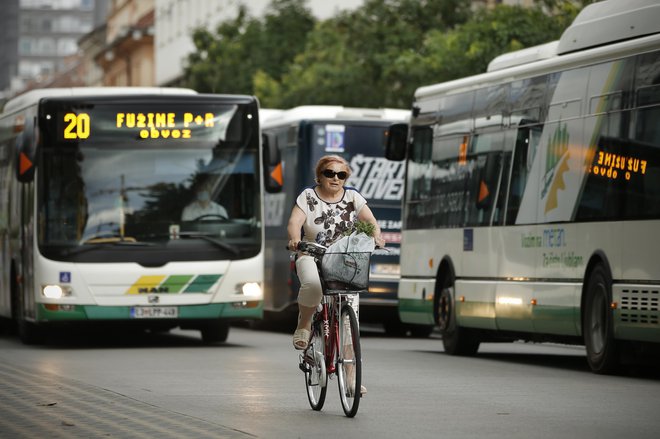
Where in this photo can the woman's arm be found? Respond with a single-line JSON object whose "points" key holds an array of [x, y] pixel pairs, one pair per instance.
{"points": [[296, 221], [367, 215]]}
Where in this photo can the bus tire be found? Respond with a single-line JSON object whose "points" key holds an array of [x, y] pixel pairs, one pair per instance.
{"points": [[215, 332], [598, 323], [455, 339]]}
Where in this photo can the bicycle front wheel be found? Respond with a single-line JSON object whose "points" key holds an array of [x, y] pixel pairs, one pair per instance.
{"points": [[349, 361], [316, 377]]}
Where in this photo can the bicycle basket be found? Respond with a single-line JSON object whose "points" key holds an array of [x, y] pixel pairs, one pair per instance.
{"points": [[350, 268]]}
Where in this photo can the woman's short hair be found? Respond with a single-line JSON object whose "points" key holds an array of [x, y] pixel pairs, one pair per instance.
{"points": [[324, 161]]}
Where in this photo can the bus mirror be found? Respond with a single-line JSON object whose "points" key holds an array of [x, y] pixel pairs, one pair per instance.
{"points": [[271, 150], [273, 178], [397, 142], [26, 152]]}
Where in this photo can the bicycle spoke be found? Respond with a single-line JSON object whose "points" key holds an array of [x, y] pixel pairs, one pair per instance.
{"points": [[313, 364], [349, 364]]}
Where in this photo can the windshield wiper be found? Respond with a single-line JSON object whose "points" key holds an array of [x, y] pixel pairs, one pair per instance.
{"points": [[223, 245], [90, 244]]}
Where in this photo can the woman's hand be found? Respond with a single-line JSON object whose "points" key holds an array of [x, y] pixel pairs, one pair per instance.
{"points": [[380, 242], [293, 244]]}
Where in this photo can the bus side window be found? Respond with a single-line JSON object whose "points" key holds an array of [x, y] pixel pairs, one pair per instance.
{"points": [[527, 141], [485, 181]]}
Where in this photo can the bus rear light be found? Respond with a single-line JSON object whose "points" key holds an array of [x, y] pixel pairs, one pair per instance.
{"points": [[55, 291], [245, 304], [56, 307], [614, 305]]}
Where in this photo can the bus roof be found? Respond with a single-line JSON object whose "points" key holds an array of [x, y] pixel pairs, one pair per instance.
{"points": [[610, 21], [267, 113], [634, 26], [33, 96], [574, 59], [597, 24], [333, 112]]}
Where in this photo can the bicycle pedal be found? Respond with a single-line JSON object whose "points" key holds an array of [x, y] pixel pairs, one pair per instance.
{"points": [[304, 367]]}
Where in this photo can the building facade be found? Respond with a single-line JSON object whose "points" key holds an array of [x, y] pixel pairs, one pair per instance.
{"points": [[8, 45], [127, 58], [47, 41]]}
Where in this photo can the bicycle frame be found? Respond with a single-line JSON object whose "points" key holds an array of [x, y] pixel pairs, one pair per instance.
{"points": [[328, 318]]}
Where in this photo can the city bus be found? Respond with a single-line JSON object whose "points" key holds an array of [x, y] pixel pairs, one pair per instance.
{"points": [[130, 206], [532, 194], [302, 135]]}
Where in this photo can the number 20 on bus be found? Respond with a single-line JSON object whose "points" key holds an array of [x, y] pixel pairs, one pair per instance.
{"points": [[77, 126]]}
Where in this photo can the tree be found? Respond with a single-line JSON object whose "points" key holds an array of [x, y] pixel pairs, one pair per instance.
{"points": [[227, 61], [467, 49], [373, 56], [347, 58]]}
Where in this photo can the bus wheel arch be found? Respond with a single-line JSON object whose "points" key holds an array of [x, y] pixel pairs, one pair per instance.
{"points": [[456, 340], [596, 316]]}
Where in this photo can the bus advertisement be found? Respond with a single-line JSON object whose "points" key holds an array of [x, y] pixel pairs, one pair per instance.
{"points": [[303, 135], [139, 206], [532, 195]]}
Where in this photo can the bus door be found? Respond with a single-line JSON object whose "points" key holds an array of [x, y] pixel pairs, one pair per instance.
{"points": [[518, 242]]}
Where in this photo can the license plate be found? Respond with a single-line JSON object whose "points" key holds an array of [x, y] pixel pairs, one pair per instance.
{"points": [[154, 312]]}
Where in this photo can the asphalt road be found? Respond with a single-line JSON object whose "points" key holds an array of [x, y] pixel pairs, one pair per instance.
{"points": [[108, 384]]}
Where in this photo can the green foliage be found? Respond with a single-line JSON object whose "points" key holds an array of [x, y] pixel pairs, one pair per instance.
{"points": [[362, 227], [469, 48], [244, 47], [373, 56]]}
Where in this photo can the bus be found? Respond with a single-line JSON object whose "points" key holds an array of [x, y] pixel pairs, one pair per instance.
{"points": [[532, 194], [130, 206], [302, 135]]}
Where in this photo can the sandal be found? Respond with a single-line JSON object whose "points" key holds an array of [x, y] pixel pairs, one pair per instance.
{"points": [[301, 339]]}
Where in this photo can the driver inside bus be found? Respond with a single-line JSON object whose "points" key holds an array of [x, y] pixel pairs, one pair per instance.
{"points": [[202, 207]]}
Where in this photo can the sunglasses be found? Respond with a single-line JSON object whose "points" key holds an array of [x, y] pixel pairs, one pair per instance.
{"points": [[328, 173]]}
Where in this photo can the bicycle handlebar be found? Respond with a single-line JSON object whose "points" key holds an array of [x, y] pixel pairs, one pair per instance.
{"points": [[311, 248], [318, 250]]}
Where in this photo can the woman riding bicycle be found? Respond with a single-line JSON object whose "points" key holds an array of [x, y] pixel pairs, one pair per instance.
{"points": [[324, 213]]}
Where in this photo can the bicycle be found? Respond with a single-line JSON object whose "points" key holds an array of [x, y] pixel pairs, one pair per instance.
{"points": [[334, 345]]}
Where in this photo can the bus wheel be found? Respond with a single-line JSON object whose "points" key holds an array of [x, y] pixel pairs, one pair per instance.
{"points": [[597, 323], [455, 339], [215, 332]]}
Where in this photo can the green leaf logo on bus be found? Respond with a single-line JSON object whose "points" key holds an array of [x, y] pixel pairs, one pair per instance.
{"points": [[555, 166]]}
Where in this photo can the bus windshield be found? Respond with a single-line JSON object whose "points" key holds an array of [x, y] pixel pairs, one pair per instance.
{"points": [[148, 182]]}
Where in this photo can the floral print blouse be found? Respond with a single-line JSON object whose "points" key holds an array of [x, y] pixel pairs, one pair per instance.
{"points": [[327, 222]]}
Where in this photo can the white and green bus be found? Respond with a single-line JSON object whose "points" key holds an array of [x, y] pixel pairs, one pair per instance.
{"points": [[130, 206], [532, 198]]}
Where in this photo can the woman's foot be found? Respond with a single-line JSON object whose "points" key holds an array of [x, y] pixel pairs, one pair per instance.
{"points": [[301, 339], [351, 389]]}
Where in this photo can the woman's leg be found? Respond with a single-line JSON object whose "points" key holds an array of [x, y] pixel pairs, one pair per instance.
{"points": [[309, 295]]}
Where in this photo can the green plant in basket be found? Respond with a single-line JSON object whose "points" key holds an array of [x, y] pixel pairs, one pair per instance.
{"points": [[363, 227]]}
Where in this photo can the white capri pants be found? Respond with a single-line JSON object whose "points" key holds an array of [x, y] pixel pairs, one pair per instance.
{"points": [[310, 293]]}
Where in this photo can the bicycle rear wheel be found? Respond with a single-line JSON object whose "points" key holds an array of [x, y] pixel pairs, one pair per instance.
{"points": [[349, 361], [316, 377]]}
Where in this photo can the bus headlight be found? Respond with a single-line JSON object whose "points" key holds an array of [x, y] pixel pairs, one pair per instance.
{"points": [[250, 289], [55, 291]]}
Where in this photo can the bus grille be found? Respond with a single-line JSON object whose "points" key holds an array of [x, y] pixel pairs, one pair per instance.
{"points": [[640, 306]]}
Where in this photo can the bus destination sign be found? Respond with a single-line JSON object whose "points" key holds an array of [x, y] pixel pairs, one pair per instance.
{"points": [[163, 125]]}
